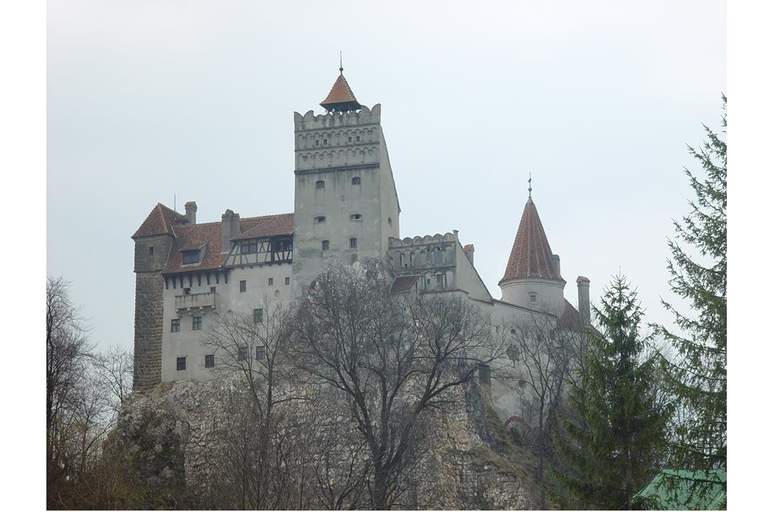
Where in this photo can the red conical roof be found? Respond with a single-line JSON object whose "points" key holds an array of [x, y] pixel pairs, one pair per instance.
{"points": [[341, 98], [531, 255]]}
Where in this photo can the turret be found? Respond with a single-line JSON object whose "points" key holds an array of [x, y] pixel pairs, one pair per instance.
{"points": [[532, 278], [152, 246]]}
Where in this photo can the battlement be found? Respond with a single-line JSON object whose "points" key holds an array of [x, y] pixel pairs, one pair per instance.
{"points": [[310, 121], [396, 243]]}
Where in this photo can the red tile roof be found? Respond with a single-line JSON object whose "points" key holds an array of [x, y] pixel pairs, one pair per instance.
{"points": [[531, 255], [160, 221], [209, 234], [269, 225], [341, 97]]}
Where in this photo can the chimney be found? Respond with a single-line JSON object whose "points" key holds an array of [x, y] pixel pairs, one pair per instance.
{"points": [[584, 306], [556, 264], [230, 228], [191, 212], [469, 250]]}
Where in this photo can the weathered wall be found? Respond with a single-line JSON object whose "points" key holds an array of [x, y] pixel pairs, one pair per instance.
{"points": [[148, 330]]}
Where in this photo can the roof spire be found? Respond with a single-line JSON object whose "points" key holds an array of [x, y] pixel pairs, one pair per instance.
{"points": [[529, 185], [341, 98]]}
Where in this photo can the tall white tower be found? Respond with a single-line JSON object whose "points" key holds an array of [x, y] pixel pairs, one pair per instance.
{"points": [[346, 204]]}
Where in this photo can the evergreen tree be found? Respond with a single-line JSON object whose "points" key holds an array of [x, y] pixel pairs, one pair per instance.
{"points": [[614, 438], [696, 373]]}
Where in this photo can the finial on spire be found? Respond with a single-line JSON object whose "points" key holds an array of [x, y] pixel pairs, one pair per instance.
{"points": [[341, 66], [529, 185]]}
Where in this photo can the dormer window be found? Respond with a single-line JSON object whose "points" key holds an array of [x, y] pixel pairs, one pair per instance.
{"points": [[190, 257]]}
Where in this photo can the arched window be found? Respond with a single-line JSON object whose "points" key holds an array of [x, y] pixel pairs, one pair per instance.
{"points": [[356, 180], [319, 184]]}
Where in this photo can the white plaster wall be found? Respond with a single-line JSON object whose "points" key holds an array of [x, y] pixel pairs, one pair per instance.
{"points": [[191, 344], [550, 297], [467, 277]]}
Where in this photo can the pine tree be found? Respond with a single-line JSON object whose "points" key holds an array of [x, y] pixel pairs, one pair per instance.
{"points": [[696, 373], [614, 438]]}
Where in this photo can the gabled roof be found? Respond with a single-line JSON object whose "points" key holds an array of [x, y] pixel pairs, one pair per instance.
{"points": [[341, 98], [531, 256], [160, 221], [191, 237]]}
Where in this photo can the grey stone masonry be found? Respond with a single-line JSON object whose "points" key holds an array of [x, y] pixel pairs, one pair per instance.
{"points": [[148, 330]]}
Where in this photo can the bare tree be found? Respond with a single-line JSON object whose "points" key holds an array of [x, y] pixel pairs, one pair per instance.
{"points": [[114, 371], [390, 356], [249, 349], [546, 352], [66, 351]]}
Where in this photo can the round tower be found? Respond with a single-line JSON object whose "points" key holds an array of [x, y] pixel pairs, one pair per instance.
{"points": [[532, 278]]}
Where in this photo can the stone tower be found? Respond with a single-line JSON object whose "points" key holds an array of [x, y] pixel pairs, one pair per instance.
{"points": [[532, 278], [346, 204], [152, 246]]}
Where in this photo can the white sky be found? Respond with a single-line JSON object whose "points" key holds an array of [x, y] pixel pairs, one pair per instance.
{"points": [[596, 99]]}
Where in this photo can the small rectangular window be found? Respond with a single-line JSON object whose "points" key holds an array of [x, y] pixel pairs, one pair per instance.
{"points": [[213, 289], [326, 245], [260, 353], [209, 362], [287, 280], [258, 316], [271, 281], [242, 353], [175, 324], [151, 251], [190, 257], [197, 323], [353, 243], [242, 286], [356, 180], [187, 291], [320, 219], [532, 297], [485, 374], [319, 184], [181, 364]]}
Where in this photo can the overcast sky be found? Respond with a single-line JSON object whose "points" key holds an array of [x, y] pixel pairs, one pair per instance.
{"points": [[151, 100]]}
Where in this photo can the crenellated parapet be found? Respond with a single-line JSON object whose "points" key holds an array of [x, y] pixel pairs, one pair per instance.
{"points": [[424, 253], [364, 116], [437, 238], [337, 139]]}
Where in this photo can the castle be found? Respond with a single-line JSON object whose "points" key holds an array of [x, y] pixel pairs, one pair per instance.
{"points": [[346, 207]]}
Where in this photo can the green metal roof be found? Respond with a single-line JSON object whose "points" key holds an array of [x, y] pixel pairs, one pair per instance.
{"points": [[679, 489]]}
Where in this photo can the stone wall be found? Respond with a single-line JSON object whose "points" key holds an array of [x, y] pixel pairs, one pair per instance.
{"points": [[148, 330]]}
